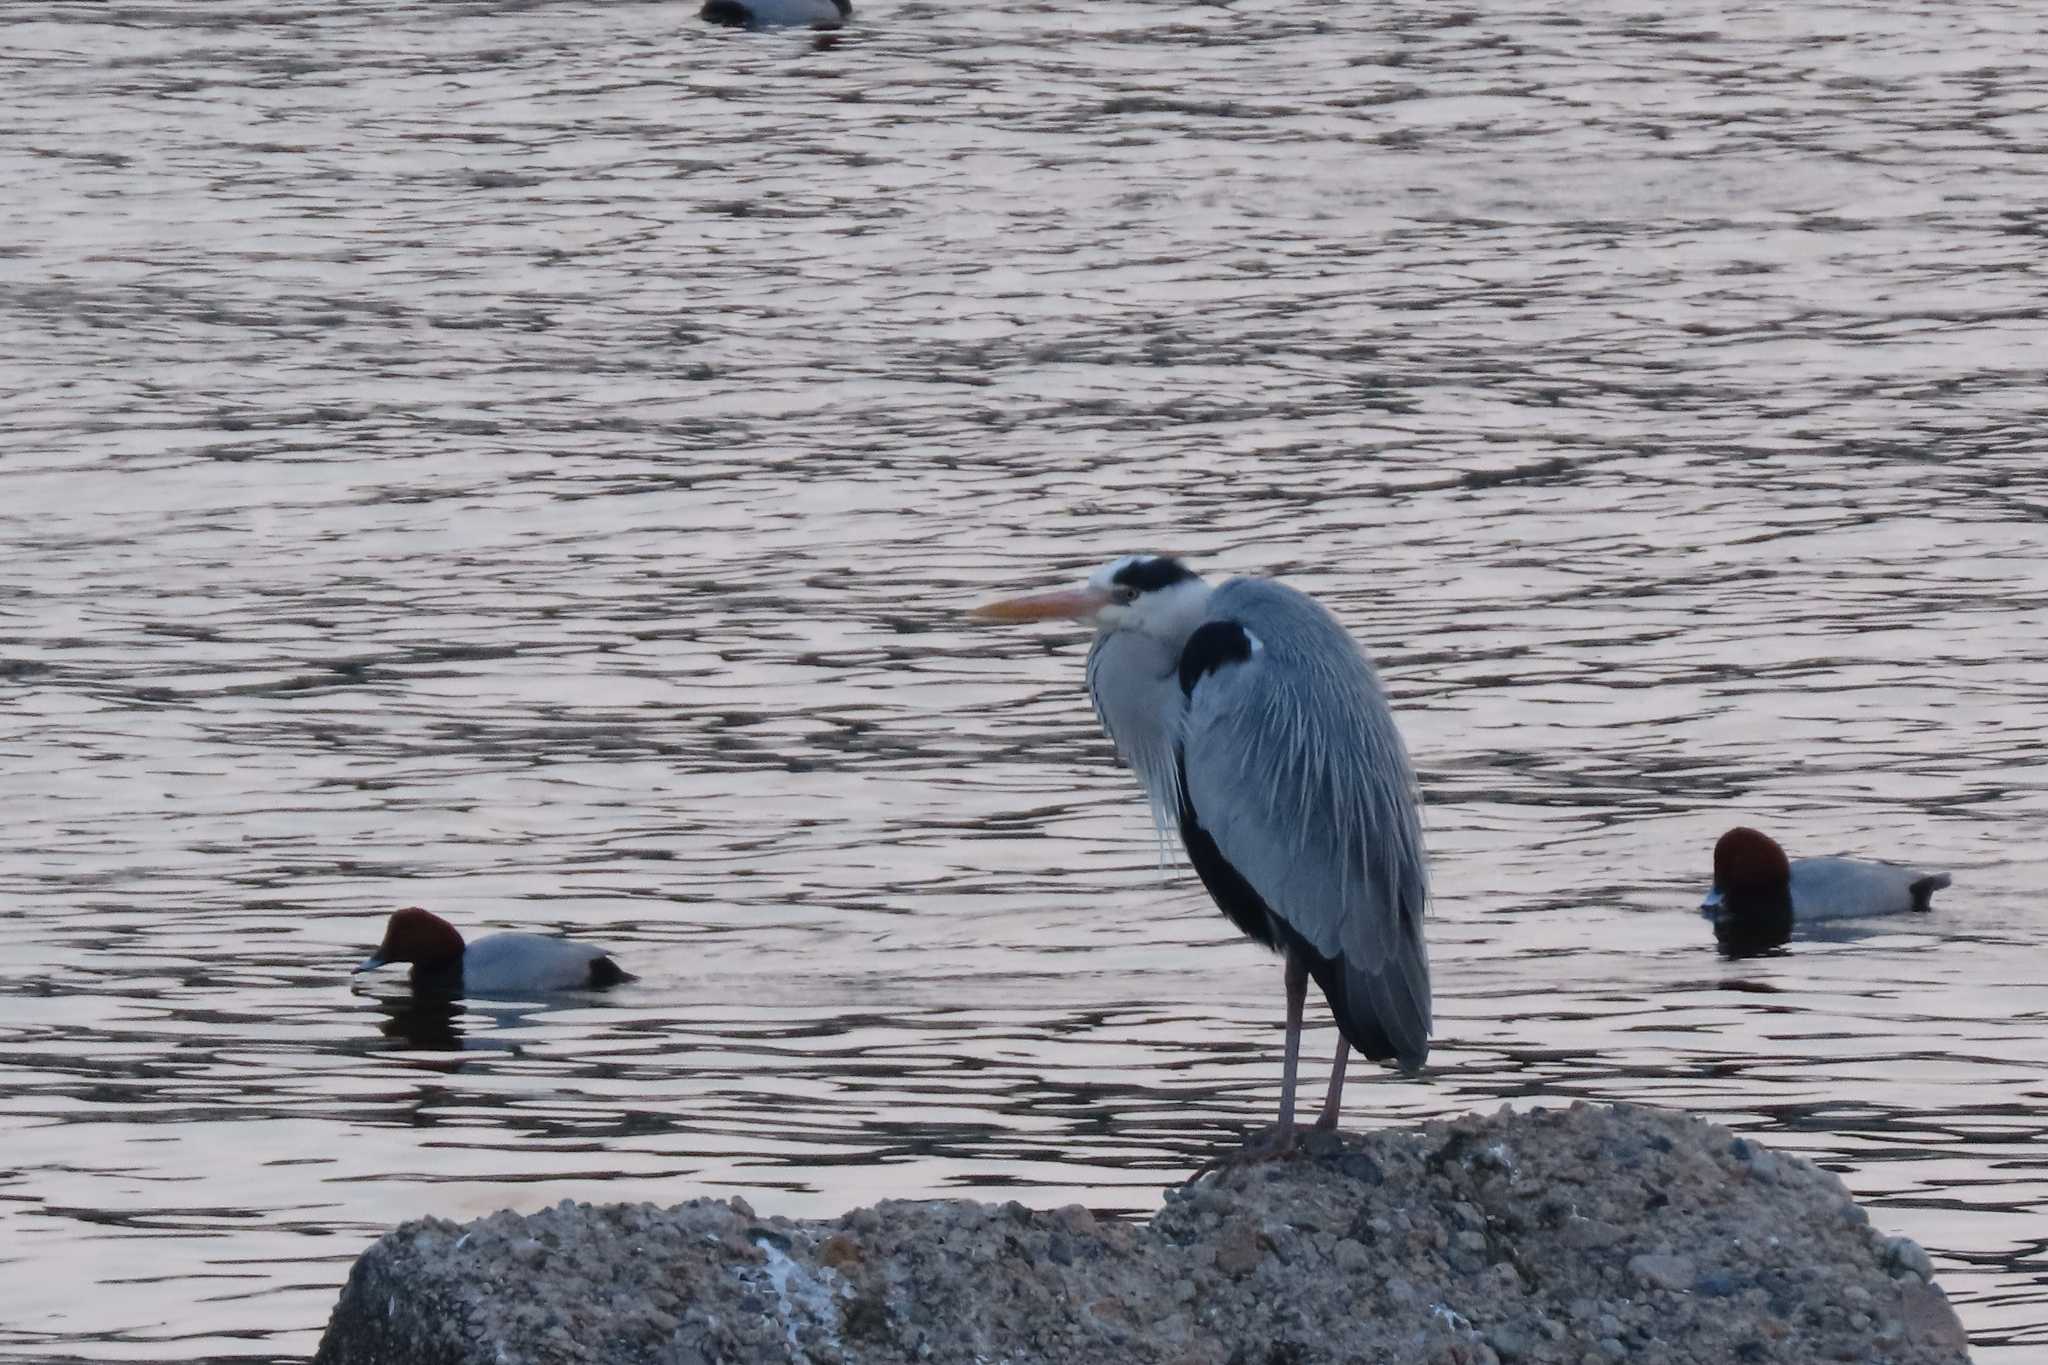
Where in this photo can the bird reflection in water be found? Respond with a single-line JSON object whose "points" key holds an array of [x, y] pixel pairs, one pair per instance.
{"points": [[439, 1025]]}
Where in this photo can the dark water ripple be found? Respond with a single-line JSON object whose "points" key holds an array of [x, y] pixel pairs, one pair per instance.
{"points": [[529, 459]]}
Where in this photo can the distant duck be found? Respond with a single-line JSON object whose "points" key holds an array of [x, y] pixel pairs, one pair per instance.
{"points": [[777, 13], [1759, 895], [497, 964]]}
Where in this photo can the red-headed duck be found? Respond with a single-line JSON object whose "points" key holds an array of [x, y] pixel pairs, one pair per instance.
{"points": [[1759, 894], [777, 13], [497, 964]]}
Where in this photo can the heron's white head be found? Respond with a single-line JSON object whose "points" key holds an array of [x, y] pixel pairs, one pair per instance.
{"points": [[1155, 594]]}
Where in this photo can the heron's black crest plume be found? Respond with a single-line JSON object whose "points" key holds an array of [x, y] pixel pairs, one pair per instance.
{"points": [[1152, 573]]}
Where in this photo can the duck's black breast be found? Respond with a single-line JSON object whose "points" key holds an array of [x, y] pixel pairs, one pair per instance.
{"points": [[1751, 924], [437, 978]]}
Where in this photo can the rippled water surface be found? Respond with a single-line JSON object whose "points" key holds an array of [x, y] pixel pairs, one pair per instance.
{"points": [[530, 460]]}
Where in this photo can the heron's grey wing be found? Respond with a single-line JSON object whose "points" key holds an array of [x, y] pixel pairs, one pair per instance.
{"points": [[1292, 765]]}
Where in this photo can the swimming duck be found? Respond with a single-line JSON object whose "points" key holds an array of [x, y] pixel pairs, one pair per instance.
{"points": [[777, 13], [1759, 895], [497, 964]]}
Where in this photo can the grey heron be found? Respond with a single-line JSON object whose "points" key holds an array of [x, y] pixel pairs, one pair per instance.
{"points": [[1259, 729]]}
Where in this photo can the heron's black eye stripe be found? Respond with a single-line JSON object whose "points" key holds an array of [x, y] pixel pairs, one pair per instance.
{"points": [[1152, 574], [1214, 644]]}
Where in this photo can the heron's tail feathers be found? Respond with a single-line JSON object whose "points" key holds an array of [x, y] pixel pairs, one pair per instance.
{"points": [[1383, 1012]]}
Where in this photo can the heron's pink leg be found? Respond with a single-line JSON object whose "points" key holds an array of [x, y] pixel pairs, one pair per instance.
{"points": [[1334, 1099], [1297, 996]]}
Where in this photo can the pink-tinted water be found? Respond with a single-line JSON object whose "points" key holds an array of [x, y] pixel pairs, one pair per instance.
{"points": [[530, 460]]}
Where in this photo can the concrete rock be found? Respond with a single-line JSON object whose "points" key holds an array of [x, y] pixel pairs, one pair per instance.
{"points": [[1542, 1237], [1662, 1272]]}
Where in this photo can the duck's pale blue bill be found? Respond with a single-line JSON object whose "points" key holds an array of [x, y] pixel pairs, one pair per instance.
{"points": [[368, 964], [1713, 900]]}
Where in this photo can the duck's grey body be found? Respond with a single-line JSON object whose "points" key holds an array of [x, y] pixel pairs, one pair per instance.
{"points": [[506, 964], [1848, 888]]}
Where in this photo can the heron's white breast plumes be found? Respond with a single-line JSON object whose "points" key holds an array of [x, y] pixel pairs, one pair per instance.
{"points": [[1134, 682]]}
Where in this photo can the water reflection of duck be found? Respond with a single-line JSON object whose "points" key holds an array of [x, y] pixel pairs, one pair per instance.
{"points": [[1759, 895], [427, 1024], [777, 13], [497, 964], [439, 1024]]}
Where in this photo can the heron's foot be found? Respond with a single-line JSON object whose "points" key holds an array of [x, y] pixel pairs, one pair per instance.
{"points": [[1273, 1144], [1278, 1141]]}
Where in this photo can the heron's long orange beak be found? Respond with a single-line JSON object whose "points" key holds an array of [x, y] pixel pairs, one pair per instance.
{"points": [[1076, 603]]}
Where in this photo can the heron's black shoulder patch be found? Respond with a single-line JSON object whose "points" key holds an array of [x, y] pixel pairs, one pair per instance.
{"points": [[1152, 573], [1214, 644]]}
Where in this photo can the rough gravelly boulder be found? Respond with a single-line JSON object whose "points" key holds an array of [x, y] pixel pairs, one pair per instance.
{"points": [[1590, 1235]]}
